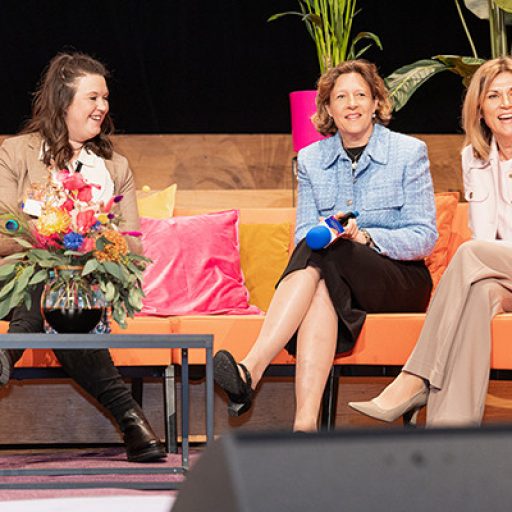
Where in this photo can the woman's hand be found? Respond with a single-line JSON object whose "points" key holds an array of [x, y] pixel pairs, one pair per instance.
{"points": [[351, 230]]}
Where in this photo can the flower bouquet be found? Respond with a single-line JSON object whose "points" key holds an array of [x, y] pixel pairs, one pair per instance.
{"points": [[75, 247]]}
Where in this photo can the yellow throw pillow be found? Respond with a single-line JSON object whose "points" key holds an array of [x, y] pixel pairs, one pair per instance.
{"points": [[264, 253], [157, 205]]}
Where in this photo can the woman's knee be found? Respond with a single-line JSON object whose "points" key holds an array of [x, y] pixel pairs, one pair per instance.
{"points": [[472, 248], [309, 272]]}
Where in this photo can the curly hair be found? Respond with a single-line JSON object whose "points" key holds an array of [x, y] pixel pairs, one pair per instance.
{"points": [[477, 133], [52, 98], [323, 121]]}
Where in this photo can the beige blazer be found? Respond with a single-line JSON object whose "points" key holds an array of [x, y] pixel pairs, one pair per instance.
{"points": [[20, 167]]}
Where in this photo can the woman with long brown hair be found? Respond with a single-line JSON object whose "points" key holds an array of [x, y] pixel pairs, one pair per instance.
{"points": [[69, 128]]}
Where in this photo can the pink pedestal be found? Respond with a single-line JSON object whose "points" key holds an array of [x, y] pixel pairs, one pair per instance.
{"points": [[302, 106]]}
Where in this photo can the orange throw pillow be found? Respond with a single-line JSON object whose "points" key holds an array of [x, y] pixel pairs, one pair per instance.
{"points": [[446, 205]]}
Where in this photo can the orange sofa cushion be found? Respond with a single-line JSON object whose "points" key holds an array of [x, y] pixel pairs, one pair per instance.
{"points": [[437, 261]]}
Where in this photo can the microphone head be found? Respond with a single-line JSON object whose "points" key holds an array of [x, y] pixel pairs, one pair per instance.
{"points": [[318, 237]]}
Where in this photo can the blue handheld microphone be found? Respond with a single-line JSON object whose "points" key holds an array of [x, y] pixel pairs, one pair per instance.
{"points": [[321, 235]]}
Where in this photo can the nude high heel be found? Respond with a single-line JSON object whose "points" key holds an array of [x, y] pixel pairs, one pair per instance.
{"points": [[408, 410]]}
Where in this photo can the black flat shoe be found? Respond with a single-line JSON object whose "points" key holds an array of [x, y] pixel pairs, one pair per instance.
{"points": [[227, 376], [142, 444]]}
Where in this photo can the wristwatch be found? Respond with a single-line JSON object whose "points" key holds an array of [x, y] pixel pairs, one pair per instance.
{"points": [[368, 239]]}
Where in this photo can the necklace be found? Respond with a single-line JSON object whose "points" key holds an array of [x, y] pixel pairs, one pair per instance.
{"points": [[354, 155]]}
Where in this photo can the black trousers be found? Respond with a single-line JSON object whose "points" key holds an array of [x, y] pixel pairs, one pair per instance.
{"points": [[359, 281], [92, 370]]}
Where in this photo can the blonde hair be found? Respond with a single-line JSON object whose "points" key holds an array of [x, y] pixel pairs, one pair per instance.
{"points": [[477, 133], [323, 121]]}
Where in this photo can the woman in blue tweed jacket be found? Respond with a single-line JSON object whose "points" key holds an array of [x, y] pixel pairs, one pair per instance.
{"points": [[375, 265]]}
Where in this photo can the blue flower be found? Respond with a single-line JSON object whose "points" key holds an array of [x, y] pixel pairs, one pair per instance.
{"points": [[73, 241]]}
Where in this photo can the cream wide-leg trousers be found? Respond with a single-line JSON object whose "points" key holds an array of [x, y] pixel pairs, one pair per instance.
{"points": [[453, 351]]}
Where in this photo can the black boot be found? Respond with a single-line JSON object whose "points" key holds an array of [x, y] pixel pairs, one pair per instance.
{"points": [[142, 444], [8, 359]]}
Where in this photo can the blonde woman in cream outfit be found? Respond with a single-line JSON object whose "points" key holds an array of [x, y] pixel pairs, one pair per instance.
{"points": [[449, 367]]}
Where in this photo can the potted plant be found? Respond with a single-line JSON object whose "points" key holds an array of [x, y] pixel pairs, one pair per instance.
{"points": [[329, 23], [404, 82]]}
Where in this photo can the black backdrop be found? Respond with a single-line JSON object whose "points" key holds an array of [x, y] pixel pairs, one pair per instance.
{"points": [[204, 66]]}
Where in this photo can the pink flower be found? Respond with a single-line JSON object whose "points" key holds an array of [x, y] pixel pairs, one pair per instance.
{"points": [[88, 245], [68, 205], [85, 194], [62, 175], [131, 233], [109, 204], [74, 182], [85, 220], [46, 242]]}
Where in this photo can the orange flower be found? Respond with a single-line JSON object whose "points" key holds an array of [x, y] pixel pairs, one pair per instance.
{"points": [[115, 250]]}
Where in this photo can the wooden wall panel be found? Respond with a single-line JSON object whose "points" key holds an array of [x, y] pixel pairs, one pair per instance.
{"points": [[255, 161]]}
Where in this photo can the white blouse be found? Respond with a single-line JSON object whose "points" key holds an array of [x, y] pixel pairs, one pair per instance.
{"points": [[95, 172]]}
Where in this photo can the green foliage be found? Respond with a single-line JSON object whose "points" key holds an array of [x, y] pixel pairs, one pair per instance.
{"points": [[329, 23], [404, 82], [121, 282]]}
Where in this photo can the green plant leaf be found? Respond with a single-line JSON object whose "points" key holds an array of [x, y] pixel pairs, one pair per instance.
{"points": [[23, 242], [7, 288], [404, 82], [352, 54], [110, 291], [135, 299], [27, 298], [113, 269], [463, 66], [504, 5], [16, 256], [101, 243], [7, 270], [4, 307], [38, 277], [90, 266], [24, 277], [281, 14]]}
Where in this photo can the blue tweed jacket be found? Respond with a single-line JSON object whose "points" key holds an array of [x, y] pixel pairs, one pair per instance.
{"points": [[391, 188]]}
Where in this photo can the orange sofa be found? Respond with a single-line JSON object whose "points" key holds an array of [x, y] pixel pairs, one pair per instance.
{"points": [[386, 339]]}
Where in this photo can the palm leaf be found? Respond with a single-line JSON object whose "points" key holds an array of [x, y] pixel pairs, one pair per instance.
{"points": [[352, 54]]}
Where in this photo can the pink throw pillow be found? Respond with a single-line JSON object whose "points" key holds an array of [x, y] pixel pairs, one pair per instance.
{"points": [[196, 266]]}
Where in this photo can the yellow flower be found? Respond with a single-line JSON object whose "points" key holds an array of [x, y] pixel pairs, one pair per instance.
{"points": [[102, 218], [115, 250], [53, 221]]}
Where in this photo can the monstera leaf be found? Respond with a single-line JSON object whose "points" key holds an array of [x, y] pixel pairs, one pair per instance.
{"points": [[404, 82]]}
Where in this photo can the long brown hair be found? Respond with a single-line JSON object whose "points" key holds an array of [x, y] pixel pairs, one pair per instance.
{"points": [[323, 121], [51, 101], [477, 133]]}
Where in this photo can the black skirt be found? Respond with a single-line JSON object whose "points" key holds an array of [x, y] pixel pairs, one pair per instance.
{"points": [[360, 281]]}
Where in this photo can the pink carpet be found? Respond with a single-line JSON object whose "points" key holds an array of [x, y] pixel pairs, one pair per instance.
{"points": [[83, 459]]}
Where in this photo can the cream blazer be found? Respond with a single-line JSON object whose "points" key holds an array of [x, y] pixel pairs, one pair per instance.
{"points": [[20, 167], [481, 191]]}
